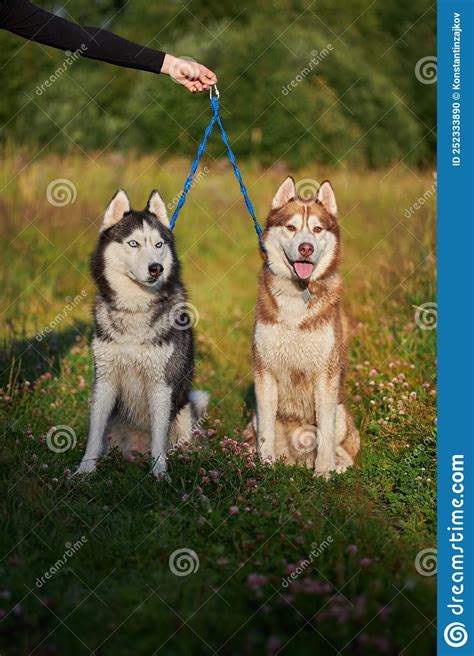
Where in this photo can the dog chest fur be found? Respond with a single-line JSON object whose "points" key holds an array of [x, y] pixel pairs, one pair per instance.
{"points": [[285, 348], [148, 364], [295, 358]]}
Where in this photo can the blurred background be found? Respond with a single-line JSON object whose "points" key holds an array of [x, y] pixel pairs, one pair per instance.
{"points": [[324, 81]]}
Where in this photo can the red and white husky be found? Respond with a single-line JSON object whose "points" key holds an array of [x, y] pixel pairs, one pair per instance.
{"points": [[300, 337]]}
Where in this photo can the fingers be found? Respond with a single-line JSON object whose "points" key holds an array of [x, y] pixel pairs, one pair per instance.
{"points": [[202, 79], [189, 73], [206, 76], [198, 78], [194, 86]]}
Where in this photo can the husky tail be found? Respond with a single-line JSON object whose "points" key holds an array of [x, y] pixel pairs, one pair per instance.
{"points": [[199, 401]]}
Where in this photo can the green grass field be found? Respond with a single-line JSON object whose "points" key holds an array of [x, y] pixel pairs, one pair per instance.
{"points": [[88, 566]]}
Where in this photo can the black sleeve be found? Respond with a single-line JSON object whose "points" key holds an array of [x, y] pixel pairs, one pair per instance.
{"points": [[29, 21]]}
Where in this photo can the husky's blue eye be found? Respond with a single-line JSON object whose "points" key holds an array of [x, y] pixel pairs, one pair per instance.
{"points": [[159, 244], [132, 243]]}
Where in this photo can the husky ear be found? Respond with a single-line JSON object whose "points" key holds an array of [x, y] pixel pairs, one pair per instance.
{"points": [[285, 193], [115, 209], [156, 205], [327, 198]]}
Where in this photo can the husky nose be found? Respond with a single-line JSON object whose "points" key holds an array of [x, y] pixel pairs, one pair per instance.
{"points": [[306, 249], [155, 269]]}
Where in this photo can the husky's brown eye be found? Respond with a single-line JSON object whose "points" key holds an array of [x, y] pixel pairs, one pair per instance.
{"points": [[291, 228], [318, 229]]}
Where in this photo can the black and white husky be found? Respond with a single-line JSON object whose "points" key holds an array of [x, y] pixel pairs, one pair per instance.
{"points": [[143, 342]]}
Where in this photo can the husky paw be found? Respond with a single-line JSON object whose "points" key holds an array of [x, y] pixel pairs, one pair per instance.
{"points": [[86, 467], [325, 469], [159, 470], [343, 460], [162, 476], [268, 458], [266, 453], [322, 473]]}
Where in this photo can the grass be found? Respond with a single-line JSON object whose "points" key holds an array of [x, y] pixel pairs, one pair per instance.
{"points": [[249, 527]]}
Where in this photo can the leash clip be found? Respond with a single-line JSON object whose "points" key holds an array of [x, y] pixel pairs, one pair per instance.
{"points": [[216, 91]]}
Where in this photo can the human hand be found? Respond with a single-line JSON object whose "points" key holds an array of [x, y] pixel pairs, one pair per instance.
{"points": [[195, 77]]}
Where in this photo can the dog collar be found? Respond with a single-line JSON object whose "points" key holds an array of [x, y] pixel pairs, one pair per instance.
{"points": [[306, 294]]}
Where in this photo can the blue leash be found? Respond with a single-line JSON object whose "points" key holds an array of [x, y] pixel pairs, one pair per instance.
{"points": [[202, 147]]}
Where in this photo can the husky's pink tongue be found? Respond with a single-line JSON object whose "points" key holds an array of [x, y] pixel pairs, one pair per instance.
{"points": [[303, 269]]}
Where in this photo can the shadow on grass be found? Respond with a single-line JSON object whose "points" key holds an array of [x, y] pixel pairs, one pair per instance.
{"points": [[25, 358], [249, 396]]}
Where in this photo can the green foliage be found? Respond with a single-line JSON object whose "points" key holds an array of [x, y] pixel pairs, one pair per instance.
{"points": [[360, 104]]}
